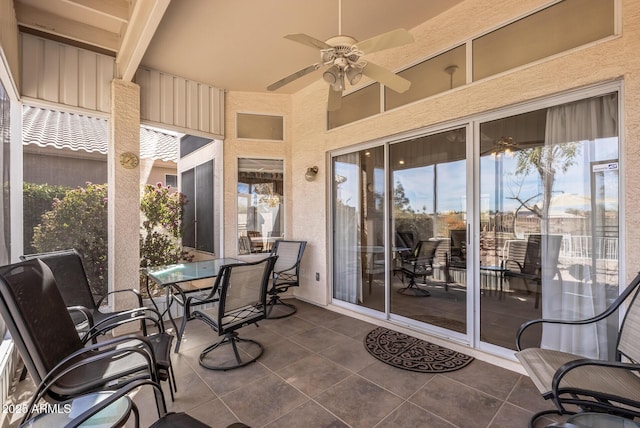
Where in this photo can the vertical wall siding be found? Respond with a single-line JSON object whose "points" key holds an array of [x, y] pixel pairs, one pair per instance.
{"points": [[64, 74], [172, 100]]}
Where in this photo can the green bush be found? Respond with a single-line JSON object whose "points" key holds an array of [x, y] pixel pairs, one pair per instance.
{"points": [[37, 199], [77, 218]]}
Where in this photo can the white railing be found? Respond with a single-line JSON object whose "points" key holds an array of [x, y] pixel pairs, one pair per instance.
{"points": [[606, 248]]}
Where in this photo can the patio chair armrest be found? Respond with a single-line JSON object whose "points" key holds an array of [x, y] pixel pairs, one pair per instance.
{"points": [[84, 311], [606, 313], [195, 300], [61, 369], [128, 290], [566, 368], [116, 395], [122, 318], [505, 262]]}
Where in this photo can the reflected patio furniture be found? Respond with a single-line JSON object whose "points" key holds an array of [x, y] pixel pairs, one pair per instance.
{"points": [[531, 268], [286, 274], [242, 292], [256, 241], [591, 385], [405, 246], [47, 340], [458, 248], [418, 265]]}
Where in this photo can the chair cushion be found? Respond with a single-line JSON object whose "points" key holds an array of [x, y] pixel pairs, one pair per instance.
{"points": [[542, 364]]}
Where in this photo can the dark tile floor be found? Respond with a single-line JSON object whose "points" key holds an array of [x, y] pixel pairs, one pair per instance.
{"points": [[315, 372]]}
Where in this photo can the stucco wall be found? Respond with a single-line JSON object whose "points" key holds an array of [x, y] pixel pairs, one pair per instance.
{"points": [[234, 148]]}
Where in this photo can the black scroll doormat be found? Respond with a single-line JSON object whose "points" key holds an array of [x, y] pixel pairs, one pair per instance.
{"points": [[410, 353]]}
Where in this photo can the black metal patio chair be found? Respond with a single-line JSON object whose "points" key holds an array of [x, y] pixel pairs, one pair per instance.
{"points": [[68, 269], [242, 290], [573, 382], [47, 340], [72, 282], [286, 274]]}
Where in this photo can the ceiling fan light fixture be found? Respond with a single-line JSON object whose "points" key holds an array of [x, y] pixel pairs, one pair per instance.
{"points": [[354, 74], [332, 75]]}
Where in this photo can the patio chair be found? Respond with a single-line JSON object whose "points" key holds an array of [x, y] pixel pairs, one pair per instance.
{"points": [[68, 270], [418, 265], [531, 268], [242, 289], [72, 282], [587, 384], [46, 338], [286, 274], [458, 248], [256, 242]]}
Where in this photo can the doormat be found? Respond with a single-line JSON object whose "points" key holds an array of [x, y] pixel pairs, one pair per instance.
{"points": [[410, 353]]}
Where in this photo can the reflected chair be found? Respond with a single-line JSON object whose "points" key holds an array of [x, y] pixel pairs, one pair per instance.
{"points": [[572, 381], [47, 340], [256, 241], [242, 292], [286, 274], [458, 248], [531, 268], [418, 265], [405, 247], [72, 282]]}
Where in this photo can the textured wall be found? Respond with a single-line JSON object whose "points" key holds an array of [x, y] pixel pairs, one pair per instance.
{"points": [[259, 103], [124, 191]]}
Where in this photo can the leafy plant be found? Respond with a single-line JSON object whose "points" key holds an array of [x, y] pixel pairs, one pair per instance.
{"points": [[77, 218], [161, 229]]}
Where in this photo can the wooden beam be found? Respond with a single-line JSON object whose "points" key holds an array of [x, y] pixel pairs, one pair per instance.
{"points": [[115, 9], [143, 23], [44, 21]]}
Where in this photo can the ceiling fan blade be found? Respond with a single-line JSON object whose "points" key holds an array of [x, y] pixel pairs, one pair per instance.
{"points": [[307, 40], [290, 78], [387, 78], [335, 99], [387, 40]]}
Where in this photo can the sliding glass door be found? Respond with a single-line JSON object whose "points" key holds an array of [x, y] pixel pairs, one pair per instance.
{"points": [[428, 229], [473, 248], [549, 222]]}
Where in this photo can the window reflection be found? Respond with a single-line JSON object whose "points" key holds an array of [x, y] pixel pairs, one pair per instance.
{"points": [[260, 204]]}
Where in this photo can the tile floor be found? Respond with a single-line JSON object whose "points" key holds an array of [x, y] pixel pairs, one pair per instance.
{"points": [[315, 372]]}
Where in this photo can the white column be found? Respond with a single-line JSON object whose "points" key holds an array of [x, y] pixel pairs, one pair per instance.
{"points": [[124, 192]]}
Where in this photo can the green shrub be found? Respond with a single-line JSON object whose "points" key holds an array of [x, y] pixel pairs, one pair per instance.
{"points": [[37, 199], [77, 218]]}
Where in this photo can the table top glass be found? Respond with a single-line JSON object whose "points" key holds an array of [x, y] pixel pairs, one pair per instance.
{"points": [[601, 420], [182, 272], [63, 413]]}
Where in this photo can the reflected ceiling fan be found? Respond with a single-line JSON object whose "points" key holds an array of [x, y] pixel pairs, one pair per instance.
{"points": [[342, 55]]}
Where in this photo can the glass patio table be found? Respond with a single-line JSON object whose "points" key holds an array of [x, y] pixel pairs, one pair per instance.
{"points": [[178, 279]]}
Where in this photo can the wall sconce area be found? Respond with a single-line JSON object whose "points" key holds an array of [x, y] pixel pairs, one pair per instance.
{"points": [[311, 173]]}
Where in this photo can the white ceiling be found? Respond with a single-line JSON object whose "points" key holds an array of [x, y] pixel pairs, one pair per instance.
{"points": [[231, 44]]}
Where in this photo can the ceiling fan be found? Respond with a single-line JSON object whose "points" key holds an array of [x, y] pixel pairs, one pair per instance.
{"points": [[342, 55]]}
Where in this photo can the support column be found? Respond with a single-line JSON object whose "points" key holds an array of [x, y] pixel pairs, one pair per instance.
{"points": [[124, 192]]}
